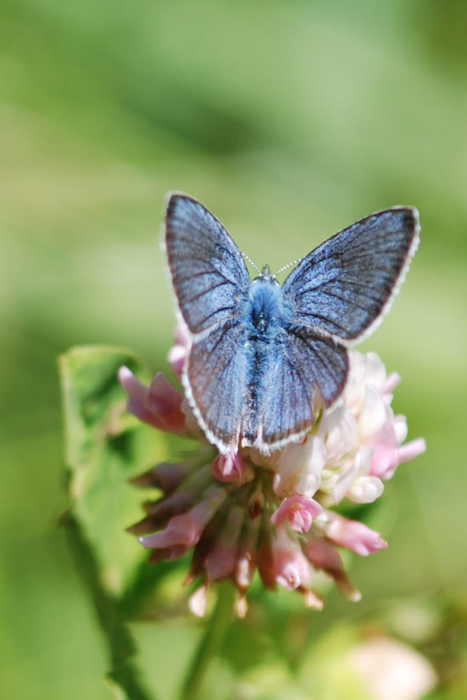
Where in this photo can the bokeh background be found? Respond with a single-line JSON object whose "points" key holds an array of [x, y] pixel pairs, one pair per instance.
{"points": [[290, 120]]}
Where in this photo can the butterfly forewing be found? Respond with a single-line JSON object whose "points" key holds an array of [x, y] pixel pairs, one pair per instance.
{"points": [[344, 285], [208, 272]]}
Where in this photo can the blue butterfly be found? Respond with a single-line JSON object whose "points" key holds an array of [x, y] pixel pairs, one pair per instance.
{"points": [[264, 359]]}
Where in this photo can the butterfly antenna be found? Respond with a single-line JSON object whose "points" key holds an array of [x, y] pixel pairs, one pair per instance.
{"points": [[286, 267], [247, 257]]}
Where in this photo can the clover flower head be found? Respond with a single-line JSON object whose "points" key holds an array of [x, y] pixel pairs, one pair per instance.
{"points": [[244, 512]]}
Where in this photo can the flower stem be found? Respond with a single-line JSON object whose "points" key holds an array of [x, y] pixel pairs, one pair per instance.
{"points": [[120, 645], [210, 642]]}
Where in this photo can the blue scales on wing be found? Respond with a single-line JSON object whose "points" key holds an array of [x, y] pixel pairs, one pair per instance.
{"points": [[216, 379], [303, 373], [292, 369], [264, 359], [211, 282], [209, 275], [344, 285]]}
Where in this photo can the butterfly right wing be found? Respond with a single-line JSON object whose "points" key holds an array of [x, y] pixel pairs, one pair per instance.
{"points": [[305, 372], [209, 275], [344, 286]]}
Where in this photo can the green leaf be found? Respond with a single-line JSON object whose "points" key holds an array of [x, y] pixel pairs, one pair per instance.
{"points": [[105, 447]]}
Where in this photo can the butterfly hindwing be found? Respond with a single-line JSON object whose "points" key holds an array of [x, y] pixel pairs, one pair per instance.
{"points": [[208, 272], [215, 380], [345, 284], [305, 372]]}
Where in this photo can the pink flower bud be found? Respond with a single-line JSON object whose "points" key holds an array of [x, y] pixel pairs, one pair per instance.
{"points": [[391, 383], [241, 606], [222, 559], [312, 599], [385, 458], [375, 371], [247, 558], [365, 370], [399, 424], [299, 467], [165, 476], [365, 489], [373, 414], [298, 510], [160, 512], [339, 432], [353, 535], [184, 531], [197, 602], [412, 449], [178, 353], [265, 554], [322, 554], [357, 465], [160, 405], [388, 454], [229, 467], [291, 568]]}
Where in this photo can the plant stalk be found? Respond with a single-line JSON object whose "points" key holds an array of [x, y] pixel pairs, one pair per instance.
{"points": [[210, 643]]}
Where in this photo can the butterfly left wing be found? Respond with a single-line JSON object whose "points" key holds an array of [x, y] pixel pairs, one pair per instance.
{"points": [[211, 283], [344, 286], [215, 382], [305, 372], [209, 275]]}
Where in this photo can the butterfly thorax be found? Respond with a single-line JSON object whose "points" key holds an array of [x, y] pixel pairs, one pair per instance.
{"points": [[264, 309]]}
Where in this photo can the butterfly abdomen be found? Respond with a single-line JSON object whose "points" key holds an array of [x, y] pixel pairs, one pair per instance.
{"points": [[264, 323]]}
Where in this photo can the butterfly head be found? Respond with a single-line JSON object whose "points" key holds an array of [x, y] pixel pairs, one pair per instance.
{"points": [[266, 276]]}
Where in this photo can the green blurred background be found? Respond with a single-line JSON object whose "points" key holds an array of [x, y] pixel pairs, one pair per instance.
{"points": [[290, 120]]}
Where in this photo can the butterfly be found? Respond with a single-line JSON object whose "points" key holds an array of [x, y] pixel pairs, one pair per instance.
{"points": [[264, 359]]}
